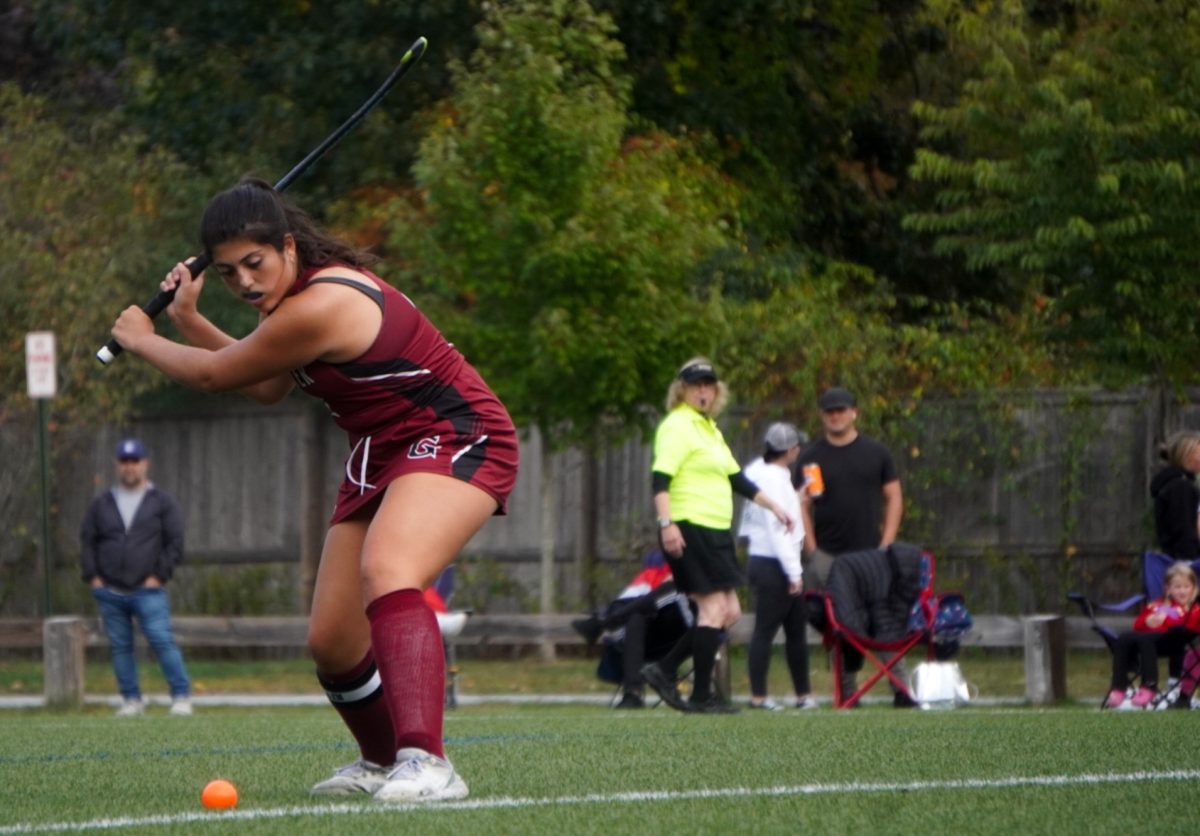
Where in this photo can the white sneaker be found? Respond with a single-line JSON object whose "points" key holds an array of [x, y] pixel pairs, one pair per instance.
{"points": [[767, 704], [181, 707], [420, 776], [1168, 697], [362, 776], [131, 708], [808, 703]]}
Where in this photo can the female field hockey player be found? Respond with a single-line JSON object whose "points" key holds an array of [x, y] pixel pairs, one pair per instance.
{"points": [[433, 455]]}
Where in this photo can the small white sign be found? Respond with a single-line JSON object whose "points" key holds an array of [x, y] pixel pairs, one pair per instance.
{"points": [[41, 369]]}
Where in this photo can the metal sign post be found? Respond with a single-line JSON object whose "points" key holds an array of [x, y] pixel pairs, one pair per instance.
{"points": [[41, 372]]}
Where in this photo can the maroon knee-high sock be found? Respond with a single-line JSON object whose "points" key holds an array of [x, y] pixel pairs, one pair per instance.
{"points": [[412, 663], [357, 695]]}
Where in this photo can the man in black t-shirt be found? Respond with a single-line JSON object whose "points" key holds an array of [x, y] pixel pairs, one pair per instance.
{"points": [[859, 506], [856, 505]]}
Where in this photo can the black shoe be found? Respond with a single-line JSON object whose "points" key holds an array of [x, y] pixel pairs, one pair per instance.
{"points": [[663, 685], [631, 700], [903, 700], [590, 628], [712, 705]]}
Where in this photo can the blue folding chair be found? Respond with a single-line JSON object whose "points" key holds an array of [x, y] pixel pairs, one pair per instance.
{"points": [[1154, 569]]}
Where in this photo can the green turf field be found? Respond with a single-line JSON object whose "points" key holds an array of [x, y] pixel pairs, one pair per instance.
{"points": [[587, 769]]}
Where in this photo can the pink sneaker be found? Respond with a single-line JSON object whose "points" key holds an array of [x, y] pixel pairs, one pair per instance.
{"points": [[1115, 697], [1143, 697]]}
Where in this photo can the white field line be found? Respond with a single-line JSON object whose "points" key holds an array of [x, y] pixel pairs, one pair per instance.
{"points": [[850, 788]]}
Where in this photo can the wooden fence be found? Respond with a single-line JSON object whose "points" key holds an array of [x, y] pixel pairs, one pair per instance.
{"points": [[1022, 497]]}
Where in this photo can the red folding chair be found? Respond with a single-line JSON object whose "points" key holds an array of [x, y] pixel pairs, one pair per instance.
{"points": [[450, 624], [837, 637]]}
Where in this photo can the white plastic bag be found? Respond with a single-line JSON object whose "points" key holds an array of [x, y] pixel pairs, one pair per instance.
{"points": [[939, 685]]}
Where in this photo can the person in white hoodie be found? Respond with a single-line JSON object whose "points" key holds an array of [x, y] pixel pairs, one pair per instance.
{"points": [[774, 569]]}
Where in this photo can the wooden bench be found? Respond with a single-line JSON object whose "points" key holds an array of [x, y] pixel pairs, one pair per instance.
{"points": [[485, 630]]}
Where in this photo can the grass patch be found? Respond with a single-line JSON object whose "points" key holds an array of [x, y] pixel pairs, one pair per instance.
{"points": [[584, 770]]}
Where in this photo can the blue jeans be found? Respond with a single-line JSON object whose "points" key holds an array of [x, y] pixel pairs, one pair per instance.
{"points": [[153, 613]]}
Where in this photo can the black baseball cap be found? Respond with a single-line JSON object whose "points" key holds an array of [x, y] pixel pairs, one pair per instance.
{"points": [[835, 398], [699, 372]]}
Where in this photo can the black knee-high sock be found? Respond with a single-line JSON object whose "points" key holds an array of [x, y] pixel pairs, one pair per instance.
{"points": [[634, 655], [675, 656], [357, 695], [704, 655]]}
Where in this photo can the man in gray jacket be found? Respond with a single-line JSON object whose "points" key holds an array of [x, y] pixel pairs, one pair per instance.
{"points": [[132, 539]]}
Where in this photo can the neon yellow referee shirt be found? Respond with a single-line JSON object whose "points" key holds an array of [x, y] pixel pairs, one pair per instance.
{"points": [[689, 447]]}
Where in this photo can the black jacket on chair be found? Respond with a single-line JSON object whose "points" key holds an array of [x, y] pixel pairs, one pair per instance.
{"points": [[873, 591]]}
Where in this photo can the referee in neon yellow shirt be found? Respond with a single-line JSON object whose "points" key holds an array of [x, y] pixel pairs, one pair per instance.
{"points": [[694, 475]]}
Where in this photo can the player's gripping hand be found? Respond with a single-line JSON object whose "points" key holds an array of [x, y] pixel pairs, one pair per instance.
{"points": [[187, 290]]}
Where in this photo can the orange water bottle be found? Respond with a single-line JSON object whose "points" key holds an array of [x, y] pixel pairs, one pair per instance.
{"points": [[814, 482]]}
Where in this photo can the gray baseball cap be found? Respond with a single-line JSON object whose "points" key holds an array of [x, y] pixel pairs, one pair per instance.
{"points": [[782, 436]]}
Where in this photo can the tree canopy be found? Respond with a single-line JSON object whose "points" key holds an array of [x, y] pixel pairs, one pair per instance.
{"points": [[85, 225], [1069, 165], [564, 237], [584, 193]]}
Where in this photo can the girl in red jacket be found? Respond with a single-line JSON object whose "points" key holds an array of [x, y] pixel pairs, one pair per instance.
{"points": [[1164, 627]]}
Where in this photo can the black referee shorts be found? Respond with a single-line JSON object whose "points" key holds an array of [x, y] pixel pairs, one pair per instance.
{"points": [[709, 561]]}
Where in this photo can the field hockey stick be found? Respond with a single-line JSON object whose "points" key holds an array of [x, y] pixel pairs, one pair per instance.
{"points": [[158, 304]]}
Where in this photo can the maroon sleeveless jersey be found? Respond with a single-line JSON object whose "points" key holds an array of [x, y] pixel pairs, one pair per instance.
{"points": [[410, 403]]}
